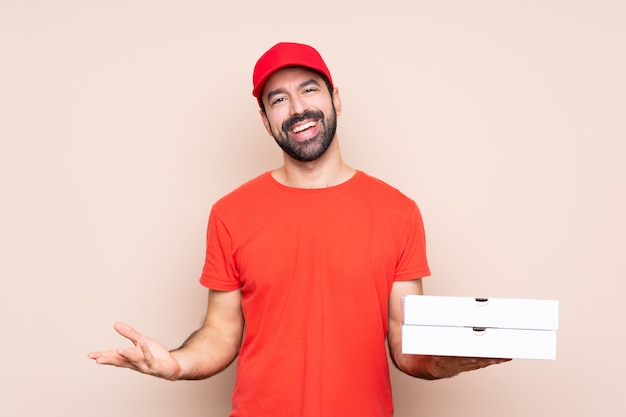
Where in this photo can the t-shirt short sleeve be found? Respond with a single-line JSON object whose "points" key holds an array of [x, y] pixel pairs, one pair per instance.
{"points": [[413, 262], [219, 272]]}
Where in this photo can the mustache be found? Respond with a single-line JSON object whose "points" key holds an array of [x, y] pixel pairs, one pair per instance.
{"points": [[307, 114]]}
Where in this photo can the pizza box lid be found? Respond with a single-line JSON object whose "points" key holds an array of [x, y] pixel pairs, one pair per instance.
{"points": [[509, 313]]}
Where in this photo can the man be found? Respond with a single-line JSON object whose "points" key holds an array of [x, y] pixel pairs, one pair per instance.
{"points": [[311, 259]]}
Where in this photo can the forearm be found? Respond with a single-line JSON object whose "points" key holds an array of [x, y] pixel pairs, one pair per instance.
{"points": [[419, 366], [423, 366], [438, 367], [205, 353], [415, 365]]}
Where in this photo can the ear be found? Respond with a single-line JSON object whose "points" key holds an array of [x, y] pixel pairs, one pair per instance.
{"points": [[266, 122], [337, 100]]}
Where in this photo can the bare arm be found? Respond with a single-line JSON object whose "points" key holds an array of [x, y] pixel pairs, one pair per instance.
{"points": [[206, 352], [216, 344], [423, 366]]}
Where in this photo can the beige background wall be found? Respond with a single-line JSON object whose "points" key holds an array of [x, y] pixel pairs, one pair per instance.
{"points": [[121, 122]]}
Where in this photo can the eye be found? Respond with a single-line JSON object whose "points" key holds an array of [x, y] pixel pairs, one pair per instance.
{"points": [[278, 100]]}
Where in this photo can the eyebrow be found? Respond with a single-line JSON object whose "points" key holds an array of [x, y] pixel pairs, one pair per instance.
{"points": [[278, 91]]}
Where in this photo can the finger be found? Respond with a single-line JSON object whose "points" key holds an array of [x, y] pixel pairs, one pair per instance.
{"points": [[110, 357], [132, 355], [128, 332], [147, 353], [94, 355], [139, 358], [484, 362]]}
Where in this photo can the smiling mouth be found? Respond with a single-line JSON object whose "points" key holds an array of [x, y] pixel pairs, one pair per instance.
{"points": [[303, 127]]}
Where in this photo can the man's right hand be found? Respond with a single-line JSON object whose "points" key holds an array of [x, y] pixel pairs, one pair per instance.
{"points": [[147, 356]]}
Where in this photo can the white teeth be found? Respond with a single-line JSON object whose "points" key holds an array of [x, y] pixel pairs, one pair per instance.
{"points": [[303, 127]]}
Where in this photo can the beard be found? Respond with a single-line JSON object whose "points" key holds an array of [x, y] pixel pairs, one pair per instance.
{"points": [[310, 149]]}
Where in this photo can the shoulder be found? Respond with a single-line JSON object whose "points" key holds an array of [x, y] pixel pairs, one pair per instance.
{"points": [[250, 190], [380, 190]]}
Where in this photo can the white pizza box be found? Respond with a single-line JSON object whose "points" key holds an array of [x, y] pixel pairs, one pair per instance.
{"points": [[479, 327]]}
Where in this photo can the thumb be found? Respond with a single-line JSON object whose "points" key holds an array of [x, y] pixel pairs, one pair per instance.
{"points": [[128, 332]]}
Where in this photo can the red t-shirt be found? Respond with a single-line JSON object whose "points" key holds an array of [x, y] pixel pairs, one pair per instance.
{"points": [[315, 268]]}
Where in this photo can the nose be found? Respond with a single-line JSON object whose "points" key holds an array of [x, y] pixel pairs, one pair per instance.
{"points": [[297, 105]]}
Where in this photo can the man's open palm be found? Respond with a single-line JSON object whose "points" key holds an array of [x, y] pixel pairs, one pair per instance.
{"points": [[147, 356]]}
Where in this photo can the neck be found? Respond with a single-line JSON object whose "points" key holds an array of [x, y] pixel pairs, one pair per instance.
{"points": [[327, 171]]}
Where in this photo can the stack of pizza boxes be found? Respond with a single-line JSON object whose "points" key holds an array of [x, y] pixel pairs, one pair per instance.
{"points": [[480, 327]]}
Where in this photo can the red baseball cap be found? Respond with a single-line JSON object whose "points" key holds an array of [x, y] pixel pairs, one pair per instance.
{"points": [[282, 55]]}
